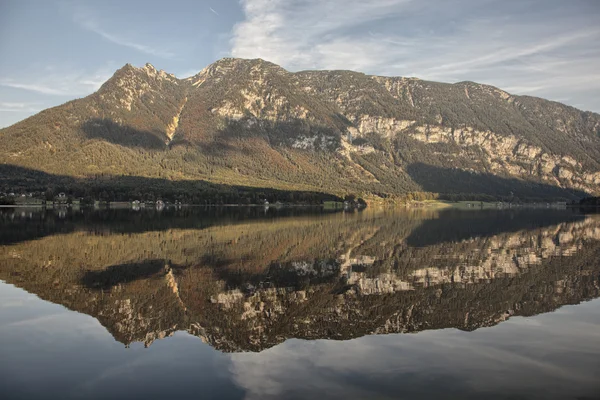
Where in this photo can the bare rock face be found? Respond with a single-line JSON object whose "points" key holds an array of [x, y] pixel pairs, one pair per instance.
{"points": [[338, 131], [513, 156]]}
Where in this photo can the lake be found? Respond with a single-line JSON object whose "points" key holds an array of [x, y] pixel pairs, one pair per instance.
{"points": [[264, 303]]}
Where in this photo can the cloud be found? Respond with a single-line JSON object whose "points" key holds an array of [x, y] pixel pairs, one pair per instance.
{"points": [[213, 11], [86, 20], [39, 88], [434, 364], [37, 321], [32, 87], [18, 107], [547, 48], [509, 53], [302, 34], [62, 82]]}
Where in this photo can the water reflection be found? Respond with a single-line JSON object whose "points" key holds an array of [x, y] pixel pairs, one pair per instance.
{"points": [[241, 281]]}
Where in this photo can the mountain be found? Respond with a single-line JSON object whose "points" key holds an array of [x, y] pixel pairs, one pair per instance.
{"points": [[252, 123], [336, 277]]}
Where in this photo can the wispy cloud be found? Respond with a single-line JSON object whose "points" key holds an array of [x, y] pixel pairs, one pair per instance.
{"points": [[19, 107], [307, 33], [40, 88], [488, 362], [63, 82], [86, 20], [511, 52], [543, 47], [213, 11]]}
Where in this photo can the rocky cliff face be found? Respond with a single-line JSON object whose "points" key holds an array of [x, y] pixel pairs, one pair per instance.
{"points": [[332, 131], [250, 286]]}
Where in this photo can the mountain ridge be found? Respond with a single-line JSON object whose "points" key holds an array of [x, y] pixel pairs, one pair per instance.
{"points": [[336, 132]]}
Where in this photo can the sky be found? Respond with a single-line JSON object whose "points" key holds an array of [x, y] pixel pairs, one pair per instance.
{"points": [[551, 355], [53, 51]]}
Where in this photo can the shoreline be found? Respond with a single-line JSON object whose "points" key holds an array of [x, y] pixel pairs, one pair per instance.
{"points": [[124, 205]]}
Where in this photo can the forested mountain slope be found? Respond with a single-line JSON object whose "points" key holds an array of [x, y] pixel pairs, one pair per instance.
{"points": [[250, 122]]}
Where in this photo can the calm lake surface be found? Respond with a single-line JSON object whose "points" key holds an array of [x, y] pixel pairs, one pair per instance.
{"points": [[262, 303]]}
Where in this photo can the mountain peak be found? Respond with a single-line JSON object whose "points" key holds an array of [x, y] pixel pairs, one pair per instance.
{"points": [[227, 65], [237, 60], [242, 63], [149, 69]]}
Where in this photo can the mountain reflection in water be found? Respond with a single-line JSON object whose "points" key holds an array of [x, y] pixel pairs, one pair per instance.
{"points": [[249, 280]]}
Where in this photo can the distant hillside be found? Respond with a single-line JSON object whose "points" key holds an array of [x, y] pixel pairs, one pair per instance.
{"points": [[252, 123]]}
